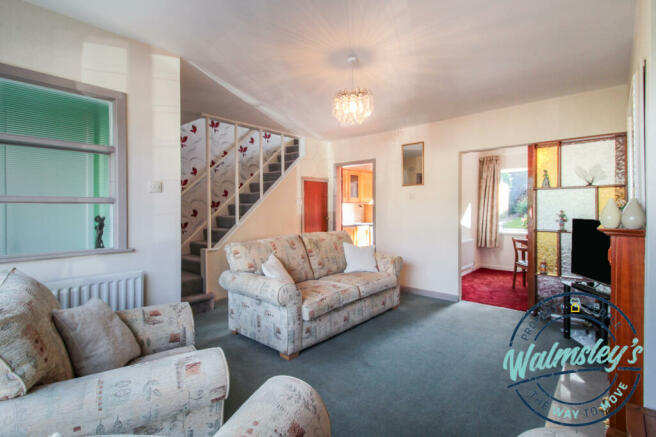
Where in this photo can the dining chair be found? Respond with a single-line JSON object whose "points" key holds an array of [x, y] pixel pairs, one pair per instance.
{"points": [[521, 249]]}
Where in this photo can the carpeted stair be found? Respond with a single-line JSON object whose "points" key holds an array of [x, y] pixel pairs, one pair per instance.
{"points": [[192, 281]]}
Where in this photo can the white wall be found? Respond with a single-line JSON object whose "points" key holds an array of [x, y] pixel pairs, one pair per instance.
{"points": [[644, 47], [422, 223], [36, 39]]}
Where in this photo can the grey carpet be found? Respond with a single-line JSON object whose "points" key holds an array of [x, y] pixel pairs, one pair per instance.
{"points": [[428, 368]]}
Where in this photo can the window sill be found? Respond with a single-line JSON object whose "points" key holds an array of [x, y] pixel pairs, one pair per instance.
{"points": [[44, 256], [513, 231]]}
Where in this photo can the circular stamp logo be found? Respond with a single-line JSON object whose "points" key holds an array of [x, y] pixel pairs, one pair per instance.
{"points": [[538, 358]]}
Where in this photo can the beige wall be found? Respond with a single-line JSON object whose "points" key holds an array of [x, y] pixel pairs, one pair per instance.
{"points": [[644, 47], [36, 39], [422, 223]]}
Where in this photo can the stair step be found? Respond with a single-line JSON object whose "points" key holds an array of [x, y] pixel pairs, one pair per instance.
{"points": [[217, 233], [243, 207], [191, 263], [200, 302], [271, 176], [275, 166], [225, 221], [249, 197], [255, 186], [191, 283], [291, 149], [289, 158]]}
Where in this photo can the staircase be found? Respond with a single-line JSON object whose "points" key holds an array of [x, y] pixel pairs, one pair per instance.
{"points": [[193, 287]]}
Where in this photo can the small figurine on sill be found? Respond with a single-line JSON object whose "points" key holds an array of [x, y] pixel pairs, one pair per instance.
{"points": [[543, 267], [100, 227], [562, 220], [546, 183]]}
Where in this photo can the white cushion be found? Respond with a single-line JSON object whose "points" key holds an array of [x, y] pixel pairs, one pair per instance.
{"points": [[359, 259], [273, 268]]}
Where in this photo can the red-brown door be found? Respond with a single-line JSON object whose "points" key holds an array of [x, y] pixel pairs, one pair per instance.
{"points": [[315, 206]]}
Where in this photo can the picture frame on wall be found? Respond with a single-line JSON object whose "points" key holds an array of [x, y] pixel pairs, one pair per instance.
{"points": [[635, 137]]}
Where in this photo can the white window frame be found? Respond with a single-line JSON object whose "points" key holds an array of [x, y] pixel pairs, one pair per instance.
{"points": [[503, 230], [117, 152]]}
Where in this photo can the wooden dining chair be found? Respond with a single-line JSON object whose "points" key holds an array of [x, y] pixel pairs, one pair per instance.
{"points": [[521, 249]]}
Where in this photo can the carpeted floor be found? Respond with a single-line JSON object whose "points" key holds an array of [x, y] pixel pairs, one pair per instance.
{"points": [[494, 287], [428, 368]]}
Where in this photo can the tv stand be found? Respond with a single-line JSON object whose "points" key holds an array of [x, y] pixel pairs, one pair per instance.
{"points": [[600, 290]]}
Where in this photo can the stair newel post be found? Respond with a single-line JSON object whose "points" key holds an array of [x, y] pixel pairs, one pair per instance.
{"points": [[261, 166], [208, 180], [282, 153], [237, 173]]}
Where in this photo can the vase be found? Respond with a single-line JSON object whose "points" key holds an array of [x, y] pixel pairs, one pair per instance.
{"points": [[633, 216], [610, 216]]}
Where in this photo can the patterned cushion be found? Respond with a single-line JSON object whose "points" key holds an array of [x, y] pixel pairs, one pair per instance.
{"points": [[326, 252], [321, 297], [250, 255], [367, 282], [31, 350]]}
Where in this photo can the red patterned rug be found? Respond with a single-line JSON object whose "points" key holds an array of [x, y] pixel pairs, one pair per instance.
{"points": [[494, 287]]}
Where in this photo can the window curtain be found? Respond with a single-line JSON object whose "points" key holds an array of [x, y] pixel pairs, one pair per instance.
{"points": [[488, 201]]}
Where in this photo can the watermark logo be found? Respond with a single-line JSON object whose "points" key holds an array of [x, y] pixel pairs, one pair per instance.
{"points": [[538, 357]]}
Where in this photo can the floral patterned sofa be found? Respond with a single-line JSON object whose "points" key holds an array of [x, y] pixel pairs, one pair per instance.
{"points": [[172, 389], [324, 300]]}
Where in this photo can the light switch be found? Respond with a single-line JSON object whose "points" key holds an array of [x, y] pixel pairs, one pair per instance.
{"points": [[155, 186]]}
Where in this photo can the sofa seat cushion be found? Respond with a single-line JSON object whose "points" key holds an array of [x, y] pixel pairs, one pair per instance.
{"points": [[31, 350], [249, 256], [163, 354], [367, 282], [326, 252], [321, 297]]}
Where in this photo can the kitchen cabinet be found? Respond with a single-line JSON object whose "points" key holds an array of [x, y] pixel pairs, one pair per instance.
{"points": [[357, 186]]}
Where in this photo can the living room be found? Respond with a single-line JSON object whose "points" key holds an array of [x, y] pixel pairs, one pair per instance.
{"points": [[167, 166]]}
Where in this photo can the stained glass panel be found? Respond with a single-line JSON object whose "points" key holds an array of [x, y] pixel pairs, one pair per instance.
{"points": [[547, 167], [566, 255], [547, 253], [607, 193], [590, 163], [573, 202]]}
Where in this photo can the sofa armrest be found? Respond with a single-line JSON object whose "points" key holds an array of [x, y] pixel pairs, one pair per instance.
{"points": [[281, 406], [180, 393], [160, 327], [390, 264], [260, 287]]}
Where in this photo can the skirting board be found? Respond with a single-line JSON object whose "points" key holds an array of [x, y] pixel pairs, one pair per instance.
{"points": [[428, 293], [494, 267]]}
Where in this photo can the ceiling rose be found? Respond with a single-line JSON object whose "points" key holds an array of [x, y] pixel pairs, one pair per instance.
{"points": [[353, 106]]}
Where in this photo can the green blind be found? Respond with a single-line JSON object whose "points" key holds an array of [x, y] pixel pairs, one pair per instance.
{"points": [[36, 111]]}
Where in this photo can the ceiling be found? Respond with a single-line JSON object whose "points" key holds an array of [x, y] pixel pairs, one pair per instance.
{"points": [[424, 60]]}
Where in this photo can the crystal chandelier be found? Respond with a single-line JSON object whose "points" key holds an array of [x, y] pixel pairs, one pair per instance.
{"points": [[354, 105]]}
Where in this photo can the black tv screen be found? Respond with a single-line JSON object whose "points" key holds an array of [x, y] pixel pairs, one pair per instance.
{"points": [[590, 251]]}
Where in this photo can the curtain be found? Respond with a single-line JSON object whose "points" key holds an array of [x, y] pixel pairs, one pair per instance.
{"points": [[488, 202]]}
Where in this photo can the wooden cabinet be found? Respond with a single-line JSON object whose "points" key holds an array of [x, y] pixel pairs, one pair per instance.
{"points": [[627, 261], [357, 186]]}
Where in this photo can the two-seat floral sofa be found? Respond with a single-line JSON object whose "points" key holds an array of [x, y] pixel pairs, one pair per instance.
{"points": [[324, 300]]}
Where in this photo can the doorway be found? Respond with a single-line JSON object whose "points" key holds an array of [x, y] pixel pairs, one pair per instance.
{"points": [[355, 200], [315, 205]]}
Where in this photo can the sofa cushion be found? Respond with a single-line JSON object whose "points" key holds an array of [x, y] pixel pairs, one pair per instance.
{"points": [[367, 282], [249, 256], [31, 350], [163, 354], [326, 252], [95, 337], [321, 297]]}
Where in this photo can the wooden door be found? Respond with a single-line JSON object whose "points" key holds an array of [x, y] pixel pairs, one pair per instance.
{"points": [[315, 206]]}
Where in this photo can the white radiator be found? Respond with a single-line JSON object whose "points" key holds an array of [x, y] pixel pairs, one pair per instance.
{"points": [[467, 249], [119, 290]]}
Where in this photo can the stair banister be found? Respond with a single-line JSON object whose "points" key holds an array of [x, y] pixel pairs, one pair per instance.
{"points": [[261, 166], [242, 124], [236, 175], [282, 153], [208, 180]]}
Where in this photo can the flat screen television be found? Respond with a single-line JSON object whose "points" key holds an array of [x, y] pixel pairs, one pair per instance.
{"points": [[590, 251]]}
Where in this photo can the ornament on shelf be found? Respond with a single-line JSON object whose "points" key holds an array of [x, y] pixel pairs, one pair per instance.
{"points": [[633, 216], [562, 220], [546, 183], [610, 216], [543, 267]]}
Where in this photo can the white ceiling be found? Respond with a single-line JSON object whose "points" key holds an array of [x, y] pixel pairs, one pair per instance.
{"points": [[423, 60]]}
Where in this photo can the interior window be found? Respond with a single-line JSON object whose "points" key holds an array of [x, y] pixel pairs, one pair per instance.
{"points": [[513, 200]]}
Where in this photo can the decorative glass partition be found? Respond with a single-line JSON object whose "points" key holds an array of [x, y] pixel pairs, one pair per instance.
{"points": [[573, 179]]}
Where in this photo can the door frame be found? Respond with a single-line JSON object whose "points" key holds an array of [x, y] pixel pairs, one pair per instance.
{"points": [[337, 193], [311, 179]]}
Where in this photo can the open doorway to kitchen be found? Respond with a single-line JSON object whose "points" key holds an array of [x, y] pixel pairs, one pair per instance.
{"points": [[355, 200]]}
